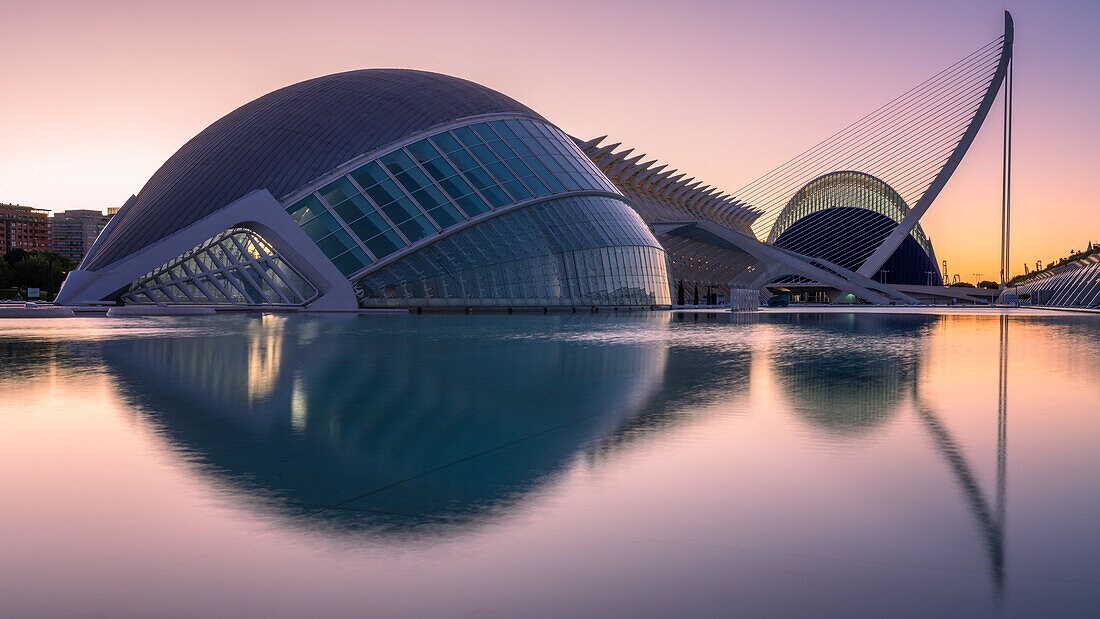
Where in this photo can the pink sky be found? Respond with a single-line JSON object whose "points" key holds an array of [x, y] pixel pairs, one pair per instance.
{"points": [[98, 95]]}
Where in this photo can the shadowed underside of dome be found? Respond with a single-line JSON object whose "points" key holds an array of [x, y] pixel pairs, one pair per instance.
{"points": [[287, 138]]}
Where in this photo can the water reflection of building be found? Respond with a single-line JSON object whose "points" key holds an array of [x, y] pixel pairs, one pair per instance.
{"points": [[989, 515], [428, 431], [697, 374], [440, 428], [845, 389], [842, 390]]}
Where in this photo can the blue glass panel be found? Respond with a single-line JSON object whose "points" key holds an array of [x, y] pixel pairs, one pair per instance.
{"points": [[519, 168], [529, 147], [485, 132], [368, 227], [516, 190], [519, 127], [537, 129], [552, 163], [473, 205], [463, 161], [446, 216], [540, 267], [455, 186], [516, 128], [548, 132], [496, 196], [385, 244], [369, 174], [536, 165], [379, 221], [320, 227], [446, 142], [479, 178], [418, 228], [422, 151], [568, 181], [439, 169], [503, 129], [401, 210], [568, 163], [396, 161], [501, 172], [354, 208], [430, 197], [537, 185], [483, 154], [502, 150], [413, 179], [305, 209], [360, 254], [350, 262], [385, 192], [337, 191], [335, 244], [467, 136]]}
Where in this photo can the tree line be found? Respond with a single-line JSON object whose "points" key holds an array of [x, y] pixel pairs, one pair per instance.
{"points": [[32, 268]]}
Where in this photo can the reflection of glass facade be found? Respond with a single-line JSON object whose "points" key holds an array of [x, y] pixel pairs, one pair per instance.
{"points": [[437, 183], [266, 406], [235, 267], [578, 250]]}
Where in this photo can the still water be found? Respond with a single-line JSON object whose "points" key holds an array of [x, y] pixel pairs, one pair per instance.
{"points": [[794, 464]]}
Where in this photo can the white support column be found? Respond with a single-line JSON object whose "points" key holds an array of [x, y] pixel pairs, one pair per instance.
{"points": [[258, 211]]}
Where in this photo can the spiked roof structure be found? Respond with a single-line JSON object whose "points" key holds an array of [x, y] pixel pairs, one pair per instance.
{"points": [[662, 194]]}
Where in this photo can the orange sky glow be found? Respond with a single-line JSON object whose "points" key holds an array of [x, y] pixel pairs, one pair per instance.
{"points": [[98, 95]]}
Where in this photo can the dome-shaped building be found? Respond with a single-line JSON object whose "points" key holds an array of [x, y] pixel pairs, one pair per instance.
{"points": [[377, 188], [844, 216]]}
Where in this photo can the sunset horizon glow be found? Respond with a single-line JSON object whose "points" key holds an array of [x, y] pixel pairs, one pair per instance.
{"points": [[101, 95]]}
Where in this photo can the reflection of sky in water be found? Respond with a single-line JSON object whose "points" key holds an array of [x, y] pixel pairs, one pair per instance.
{"points": [[633, 464]]}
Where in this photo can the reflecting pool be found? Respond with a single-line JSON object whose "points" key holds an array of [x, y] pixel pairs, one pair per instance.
{"points": [[655, 464]]}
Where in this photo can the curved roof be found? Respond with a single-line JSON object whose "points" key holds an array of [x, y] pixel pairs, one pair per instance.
{"points": [[288, 138], [844, 188]]}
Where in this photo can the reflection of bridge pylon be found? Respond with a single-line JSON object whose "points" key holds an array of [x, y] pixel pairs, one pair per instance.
{"points": [[991, 519]]}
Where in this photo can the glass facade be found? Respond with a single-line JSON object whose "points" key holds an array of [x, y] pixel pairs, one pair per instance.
{"points": [[437, 183], [848, 236], [847, 189], [235, 267], [572, 251]]}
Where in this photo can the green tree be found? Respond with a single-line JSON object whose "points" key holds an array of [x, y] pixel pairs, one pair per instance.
{"points": [[38, 269], [15, 255], [7, 278]]}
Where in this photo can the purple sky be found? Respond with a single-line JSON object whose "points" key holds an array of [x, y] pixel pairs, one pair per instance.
{"points": [[98, 95]]}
